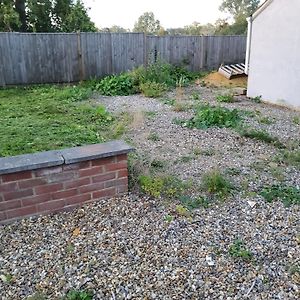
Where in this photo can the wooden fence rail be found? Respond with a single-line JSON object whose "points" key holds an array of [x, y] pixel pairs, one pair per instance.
{"points": [[27, 58]]}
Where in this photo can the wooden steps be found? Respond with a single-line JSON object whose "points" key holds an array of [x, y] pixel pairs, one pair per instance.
{"points": [[231, 71]]}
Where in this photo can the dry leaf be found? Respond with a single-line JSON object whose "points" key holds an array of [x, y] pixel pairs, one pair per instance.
{"points": [[76, 232]]}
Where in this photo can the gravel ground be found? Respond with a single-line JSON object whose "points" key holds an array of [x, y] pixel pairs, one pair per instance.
{"points": [[130, 248]]}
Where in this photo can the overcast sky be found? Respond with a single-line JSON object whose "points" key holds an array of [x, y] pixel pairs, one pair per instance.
{"points": [[171, 13]]}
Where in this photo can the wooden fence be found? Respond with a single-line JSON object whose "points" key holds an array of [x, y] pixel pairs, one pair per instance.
{"points": [[27, 58]]}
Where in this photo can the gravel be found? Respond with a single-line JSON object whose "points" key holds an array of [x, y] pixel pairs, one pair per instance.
{"points": [[130, 248]]}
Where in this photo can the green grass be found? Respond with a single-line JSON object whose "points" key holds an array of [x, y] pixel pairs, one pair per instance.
{"points": [[49, 117]]}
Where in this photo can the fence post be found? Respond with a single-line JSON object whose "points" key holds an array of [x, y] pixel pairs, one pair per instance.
{"points": [[80, 57]]}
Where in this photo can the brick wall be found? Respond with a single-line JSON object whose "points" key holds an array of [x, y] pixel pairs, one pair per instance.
{"points": [[62, 187]]}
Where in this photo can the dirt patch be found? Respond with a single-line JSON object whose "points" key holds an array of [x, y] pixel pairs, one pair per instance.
{"points": [[215, 79]]}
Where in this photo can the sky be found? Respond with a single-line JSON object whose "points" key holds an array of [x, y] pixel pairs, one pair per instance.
{"points": [[170, 13]]}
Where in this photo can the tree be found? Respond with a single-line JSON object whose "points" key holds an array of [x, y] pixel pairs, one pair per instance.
{"points": [[147, 23], [78, 19], [238, 8], [115, 29], [9, 19], [20, 8]]}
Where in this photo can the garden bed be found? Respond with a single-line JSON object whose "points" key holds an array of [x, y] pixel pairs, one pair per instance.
{"points": [[220, 219]]}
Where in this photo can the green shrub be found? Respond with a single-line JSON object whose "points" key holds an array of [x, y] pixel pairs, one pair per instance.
{"points": [[238, 250], [289, 195], [261, 135], [153, 89], [211, 116], [117, 85], [225, 98], [216, 183], [78, 295]]}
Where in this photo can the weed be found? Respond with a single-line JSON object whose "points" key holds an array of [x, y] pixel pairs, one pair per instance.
{"points": [[151, 114], [157, 164], [262, 136], [6, 278], [256, 99], [277, 173], [168, 218], [288, 195], [37, 296], [168, 101], [195, 96], [103, 114], [238, 250], [233, 171], [208, 152], [163, 186], [193, 203], [186, 159], [182, 211], [225, 98], [197, 151], [296, 120], [291, 158], [265, 120], [180, 106], [117, 85], [78, 295], [210, 116], [153, 137], [153, 89], [215, 183]]}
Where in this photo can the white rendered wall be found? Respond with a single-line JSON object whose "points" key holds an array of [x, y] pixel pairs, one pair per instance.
{"points": [[274, 71]]}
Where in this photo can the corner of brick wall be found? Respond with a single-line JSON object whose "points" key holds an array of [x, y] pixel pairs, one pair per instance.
{"points": [[63, 187]]}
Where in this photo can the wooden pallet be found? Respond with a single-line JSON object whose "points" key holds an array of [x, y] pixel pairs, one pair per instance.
{"points": [[231, 71]]}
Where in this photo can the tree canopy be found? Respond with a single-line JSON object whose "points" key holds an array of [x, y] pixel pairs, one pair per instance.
{"points": [[147, 23], [44, 16]]}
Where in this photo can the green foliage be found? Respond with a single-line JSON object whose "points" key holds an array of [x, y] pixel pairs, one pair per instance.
{"points": [[157, 164], [296, 120], [195, 96], [216, 183], [182, 211], [45, 117], [291, 157], [265, 120], [37, 296], [262, 136], [169, 218], [163, 186], [168, 101], [153, 137], [114, 85], [211, 116], [153, 89], [289, 195], [78, 295], [194, 202], [147, 23], [239, 250], [9, 18], [225, 98], [256, 99], [103, 114]]}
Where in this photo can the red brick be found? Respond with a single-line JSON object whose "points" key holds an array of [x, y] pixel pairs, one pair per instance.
{"points": [[17, 194], [50, 188], [104, 177], [64, 194], [65, 176], [117, 182], [91, 188], [78, 199], [116, 166], [51, 205], [8, 187], [77, 183], [24, 184], [122, 189], [103, 161], [5, 205], [121, 157], [91, 171], [48, 171], [77, 166], [104, 193], [20, 212], [16, 176], [36, 199], [2, 216], [122, 173]]}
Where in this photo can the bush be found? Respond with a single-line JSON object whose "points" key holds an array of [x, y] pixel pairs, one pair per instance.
{"points": [[153, 89], [211, 116], [117, 85]]}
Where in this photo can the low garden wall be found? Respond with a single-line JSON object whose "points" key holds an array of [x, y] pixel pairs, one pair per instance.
{"points": [[53, 181]]}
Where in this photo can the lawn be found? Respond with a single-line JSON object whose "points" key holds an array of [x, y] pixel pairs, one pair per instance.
{"points": [[48, 117]]}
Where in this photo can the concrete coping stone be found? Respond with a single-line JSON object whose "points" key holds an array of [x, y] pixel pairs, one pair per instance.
{"points": [[27, 162]]}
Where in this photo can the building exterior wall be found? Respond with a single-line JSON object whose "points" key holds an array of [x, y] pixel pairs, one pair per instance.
{"points": [[274, 71]]}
